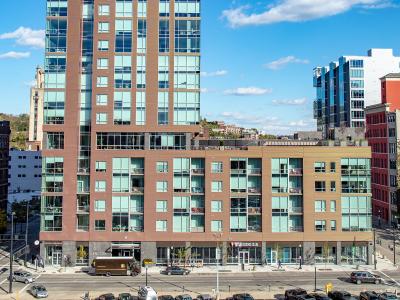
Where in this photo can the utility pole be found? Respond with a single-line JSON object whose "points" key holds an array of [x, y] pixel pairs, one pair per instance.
{"points": [[394, 247], [11, 254], [315, 278], [374, 249], [26, 233]]}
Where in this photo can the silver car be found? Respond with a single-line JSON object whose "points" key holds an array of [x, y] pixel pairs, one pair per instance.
{"points": [[22, 276], [39, 291]]}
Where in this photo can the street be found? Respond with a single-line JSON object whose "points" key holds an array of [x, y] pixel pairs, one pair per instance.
{"points": [[263, 285]]}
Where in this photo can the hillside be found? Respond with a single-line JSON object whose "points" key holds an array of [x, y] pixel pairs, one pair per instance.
{"points": [[19, 129]]}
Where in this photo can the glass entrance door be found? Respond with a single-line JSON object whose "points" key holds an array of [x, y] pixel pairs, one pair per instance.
{"points": [[57, 259], [274, 257], [244, 257]]}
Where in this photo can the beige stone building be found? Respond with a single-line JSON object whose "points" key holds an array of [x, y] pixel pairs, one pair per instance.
{"points": [[35, 137]]}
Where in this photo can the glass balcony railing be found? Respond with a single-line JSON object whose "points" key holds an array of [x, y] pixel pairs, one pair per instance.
{"points": [[295, 171], [52, 209], [197, 210], [197, 229], [254, 171], [295, 190], [137, 189], [83, 209], [296, 229], [198, 190], [137, 171], [254, 210], [298, 210], [254, 190], [198, 171]]}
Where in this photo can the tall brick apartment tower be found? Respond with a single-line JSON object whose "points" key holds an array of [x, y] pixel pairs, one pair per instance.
{"points": [[126, 174]]}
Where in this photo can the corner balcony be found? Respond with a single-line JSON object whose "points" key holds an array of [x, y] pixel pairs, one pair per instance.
{"points": [[296, 190], [198, 210], [137, 190], [197, 171], [296, 172], [254, 190], [254, 210], [137, 171], [198, 190], [254, 171], [296, 229]]}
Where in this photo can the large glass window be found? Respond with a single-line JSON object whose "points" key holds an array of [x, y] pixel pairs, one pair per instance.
{"points": [[187, 36], [122, 108], [356, 213]]}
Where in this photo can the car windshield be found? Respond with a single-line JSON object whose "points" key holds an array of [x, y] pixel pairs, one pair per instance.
{"points": [[41, 288]]}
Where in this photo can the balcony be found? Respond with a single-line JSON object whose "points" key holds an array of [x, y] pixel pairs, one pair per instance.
{"points": [[254, 210], [296, 172], [254, 228], [197, 229], [137, 190], [52, 210], [82, 228], [197, 210], [82, 170], [295, 190], [136, 228], [296, 229], [181, 210], [197, 171], [279, 190], [137, 210], [280, 172], [83, 209], [137, 171], [254, 190], [238, 171], [295, 210], [254, 171], [197, 190]]}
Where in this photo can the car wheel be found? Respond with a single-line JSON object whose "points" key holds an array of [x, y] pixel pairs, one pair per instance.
{"points": [[108, 274], [169, 273], [187, 273], [358, 281], [377, 281], [26, 281]]}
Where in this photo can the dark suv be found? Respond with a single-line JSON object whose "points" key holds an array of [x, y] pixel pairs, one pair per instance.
{"points": [[341, 295], [368, 296], [365, 277], [387, 296], [292, 294], [242, 297]]}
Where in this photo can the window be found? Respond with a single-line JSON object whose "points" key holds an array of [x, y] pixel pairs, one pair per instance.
{"points": [[101, 118], [102, 81], [123, 8], [320, 186], [104, 10], [102, 63], [319, 167], [216, 225], [100, 225], [100, 205], [333, 205], [333, 225], [102, 45], [216, 167], [333, 167], [162, 167], [216, 186], [162, 186], [320, 225], [333, 186], [104, 27], [122, 107], [101, 100], [161, 225], [55, 140], [161, 206], [101, 166], [216, 206], [320, 206], [100, 186]]}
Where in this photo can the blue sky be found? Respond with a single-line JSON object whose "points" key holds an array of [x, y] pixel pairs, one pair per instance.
{"points": [[257, 56]]}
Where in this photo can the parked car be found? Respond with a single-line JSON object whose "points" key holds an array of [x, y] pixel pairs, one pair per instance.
{"points": [[204, 297], [341, 295], [22, 276], [39, 291], [293, 293], [166, 297], [368, 296], [304, 297], [183, 297], [242, 297], [387, 296], [108, 296], [320, 296], [364, 277], [175, 270], [147, 293], [125, 296]]}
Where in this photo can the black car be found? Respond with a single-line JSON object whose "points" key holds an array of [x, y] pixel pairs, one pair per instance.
{"points": [[175, 270], [368, 296], [319, 296], [341, 295], [242, 297], [106, 297], [293, 293], [387, 296], [304, 297], [183, 297], [365, 277], [166, 297], [125, 296]]}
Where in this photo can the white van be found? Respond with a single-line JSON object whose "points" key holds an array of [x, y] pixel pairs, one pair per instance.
{"points": [[147, 293]]}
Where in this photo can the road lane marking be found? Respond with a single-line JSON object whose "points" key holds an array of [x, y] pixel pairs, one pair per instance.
{"points": [[392, 279], [26, 286]]}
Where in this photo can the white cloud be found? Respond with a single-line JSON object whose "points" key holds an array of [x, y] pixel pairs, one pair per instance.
{"points": [[242, 118], [15, 55], [298, 101], [296, 11], [218, 73], [26, 37], [248, 91], [284, 61]]}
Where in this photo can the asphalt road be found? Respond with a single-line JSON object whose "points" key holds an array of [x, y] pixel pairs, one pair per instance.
{"points": [[276, 282]]}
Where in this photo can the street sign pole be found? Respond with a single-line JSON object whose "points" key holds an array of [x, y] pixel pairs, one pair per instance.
{"points": [[11, 255]]}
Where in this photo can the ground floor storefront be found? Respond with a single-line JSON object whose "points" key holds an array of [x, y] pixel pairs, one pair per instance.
{"points": [[197, 254]]}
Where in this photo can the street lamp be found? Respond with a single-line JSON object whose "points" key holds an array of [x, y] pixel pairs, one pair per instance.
{"points": [[300, 257], [26, 232], [11, 253], [218, 238], [379, 217], [170, 255]]}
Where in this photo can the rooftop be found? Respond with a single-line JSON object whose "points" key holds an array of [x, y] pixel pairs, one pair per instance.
{"points": [[391, 75]]}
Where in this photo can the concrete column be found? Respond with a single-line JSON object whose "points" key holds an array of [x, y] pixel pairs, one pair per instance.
{"points": [[309, 253], [69, 249], [99, 249], [370, 253], [146, 141], [338, 253], [188, 249], [263, 253], [148, 251], [224, 253]]}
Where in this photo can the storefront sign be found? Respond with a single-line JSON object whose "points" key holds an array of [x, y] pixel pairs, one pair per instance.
{"points": [[245, 244]]}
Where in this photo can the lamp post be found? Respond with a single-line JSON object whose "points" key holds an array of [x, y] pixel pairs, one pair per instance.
{"points": [[26, 233], [171, 255], [218, 238], [379, 217], [300, 257], [10, 289]]}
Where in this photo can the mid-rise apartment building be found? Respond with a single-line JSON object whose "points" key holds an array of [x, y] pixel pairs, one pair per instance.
{"points": [[35, 134], [24, 175], [126, 174], [383, 136], [4, 150], [346, 87]]}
